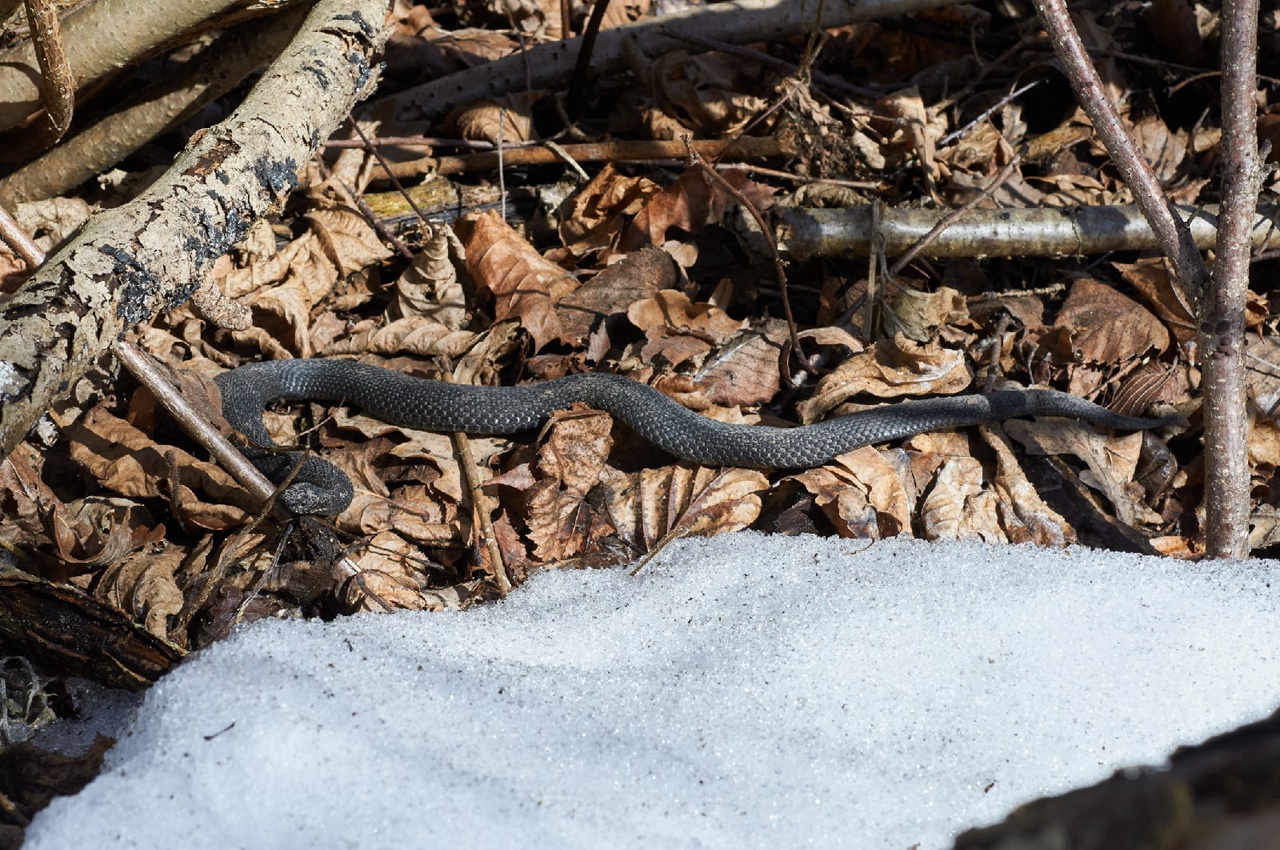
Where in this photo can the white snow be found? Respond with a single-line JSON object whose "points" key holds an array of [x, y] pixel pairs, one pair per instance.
{"points": [[746, 691]]}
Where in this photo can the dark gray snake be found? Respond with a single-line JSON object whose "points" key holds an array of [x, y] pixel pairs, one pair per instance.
{"points": [[322, 488]]}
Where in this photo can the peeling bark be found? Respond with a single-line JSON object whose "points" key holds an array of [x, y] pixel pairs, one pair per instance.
{"points": [[152, 253]]}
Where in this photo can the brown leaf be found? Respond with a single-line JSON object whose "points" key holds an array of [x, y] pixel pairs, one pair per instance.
{"points": [[31, 777], [144, 586], [1263, 380], [1111, 460], [430, 287], [561, 522], [649, 505], [508, 118], [591, 217], [671, 309], [347, 238], [391, 577], [1108, 328], [713, 94], [1173, 23], [26, 501], [524, 285], [128, 461], [893, 368], [957, 508], [690, 204], [1163, 150], [862, 493], [97, 532], [1151, 278], [919, 315], [1024, 515], [638, 276]]}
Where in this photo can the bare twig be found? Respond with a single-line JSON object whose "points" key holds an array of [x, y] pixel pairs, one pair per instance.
{"points": [[1222, 326], [576, 100], [1189, 268], [57, 86], [613, 150], [21, 243], [223, 450]]}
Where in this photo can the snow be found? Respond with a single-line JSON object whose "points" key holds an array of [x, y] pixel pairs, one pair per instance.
{"points": [[746, 691]]}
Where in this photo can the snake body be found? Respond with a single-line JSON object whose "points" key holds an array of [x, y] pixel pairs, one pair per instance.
{"points": [[319, 487]]}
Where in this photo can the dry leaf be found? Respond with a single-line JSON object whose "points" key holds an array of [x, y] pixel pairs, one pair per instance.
{"points": [[508, 118], [561, 523], [672, 310], [690, 204], [144, 586], [430, 287], [711, 94], [1108, 328], [392, 577], [893, 368], [524, 285], [129, 462], [957, 508], [1111, 460], [1025, 516], [592, 216], [862, 493], [648, 506], [98, 532], [919, 315], [638, 276]]}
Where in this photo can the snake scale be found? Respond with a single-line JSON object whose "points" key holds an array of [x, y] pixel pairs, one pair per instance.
{"points": [[321, 488]]}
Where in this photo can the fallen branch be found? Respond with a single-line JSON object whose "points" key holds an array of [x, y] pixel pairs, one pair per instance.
{"points": [[1041, 232], [549, 65], [99, 38], [217, 69], [156, 250]]}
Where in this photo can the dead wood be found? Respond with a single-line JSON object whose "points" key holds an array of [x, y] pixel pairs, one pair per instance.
{"points": [[806, 232], [217, 69], [100, 38], [548, 65], [155, 251]]}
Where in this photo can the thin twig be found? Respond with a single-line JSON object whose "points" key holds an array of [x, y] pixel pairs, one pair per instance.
{"points": [[778, 265], [17, 239], [954, 216], [576, 100], [1189, 268], [57, 85]]}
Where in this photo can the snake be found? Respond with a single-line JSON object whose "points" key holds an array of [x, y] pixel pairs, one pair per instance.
{"points": [[320, 488]]}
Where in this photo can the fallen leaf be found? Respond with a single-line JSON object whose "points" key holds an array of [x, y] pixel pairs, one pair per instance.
{"points": [[893, 368], [862, 494], [524, 285]]}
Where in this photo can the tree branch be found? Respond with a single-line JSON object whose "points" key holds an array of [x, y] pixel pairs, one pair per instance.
{"points": [[548, 65]]}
